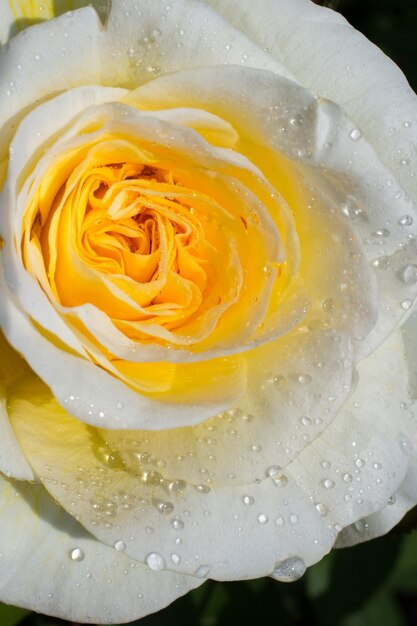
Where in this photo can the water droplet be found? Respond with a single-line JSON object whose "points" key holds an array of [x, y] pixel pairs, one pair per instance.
{"points": [[202, 571], [120, 546], [166, 508], [327, 483], [77, 554], [377, 466], [306, 421], [293, 519], [359, 462], [407, 124], [177, 487], [304, 379], [177, 523], [279, 521], [289, 570], [155, 561], [262, 518], [297, 121], [278, 380], [409, 274], [355, 134], [405, 220], [277, 475], [407, 304], [248, 500], [328, 305], [356, 214], [347, 478], [381, 232], [322, 509], [392, 500], [175, 558]]}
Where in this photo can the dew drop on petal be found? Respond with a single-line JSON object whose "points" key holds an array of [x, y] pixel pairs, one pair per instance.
{"points": [[277, 475], [202, 571], [289, 570], [327, 483], [177, 523], [155, 561], [406, 304], [248, 500], [322, 509], [409, 274], [120, 546], [355, 134], [77, 555], [405, 220]]}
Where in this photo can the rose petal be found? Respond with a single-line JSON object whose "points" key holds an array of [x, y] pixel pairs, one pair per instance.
{"points": [[12, 460], [15, 15], [38, 536], [36, 64], [294, 512], [404, 497], [335, 165], [357, 75]]}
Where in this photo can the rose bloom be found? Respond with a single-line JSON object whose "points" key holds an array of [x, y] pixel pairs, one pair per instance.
{"points": [[208, 260]]}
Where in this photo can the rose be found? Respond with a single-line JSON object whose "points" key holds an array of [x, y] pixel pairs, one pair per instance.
{"points": [[264, 179]]}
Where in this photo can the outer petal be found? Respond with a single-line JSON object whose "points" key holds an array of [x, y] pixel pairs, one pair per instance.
{"points": [[355, 74], [348, 472], [39, 537], [144, 39], [404, 498], [15, 15], [12, 460], [45, 59]]}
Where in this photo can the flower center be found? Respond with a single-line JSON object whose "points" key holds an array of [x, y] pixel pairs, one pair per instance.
{"points": [[164, 249]]}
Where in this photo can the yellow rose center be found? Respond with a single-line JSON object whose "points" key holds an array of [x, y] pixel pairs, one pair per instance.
{"points": [[151, 243]]}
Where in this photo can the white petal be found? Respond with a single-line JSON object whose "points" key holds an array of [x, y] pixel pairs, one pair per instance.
{"points": [[144, 40], [44, 60], [12, 460], [356, 75], [403, 498], [348, 472], [15, 15], [295, 387], [52, 565]]}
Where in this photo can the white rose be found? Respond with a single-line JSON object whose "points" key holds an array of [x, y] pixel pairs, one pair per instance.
{"points": [[208, 247]]}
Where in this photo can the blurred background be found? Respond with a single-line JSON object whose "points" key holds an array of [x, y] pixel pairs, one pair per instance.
{"points": [[374, 584]]}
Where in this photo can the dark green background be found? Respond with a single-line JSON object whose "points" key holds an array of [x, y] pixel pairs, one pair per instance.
{"points": [[374, 584]]}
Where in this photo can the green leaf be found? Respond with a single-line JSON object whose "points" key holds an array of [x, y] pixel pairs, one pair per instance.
{"points": [[11, 615], [382, 610], [356, 574]]}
